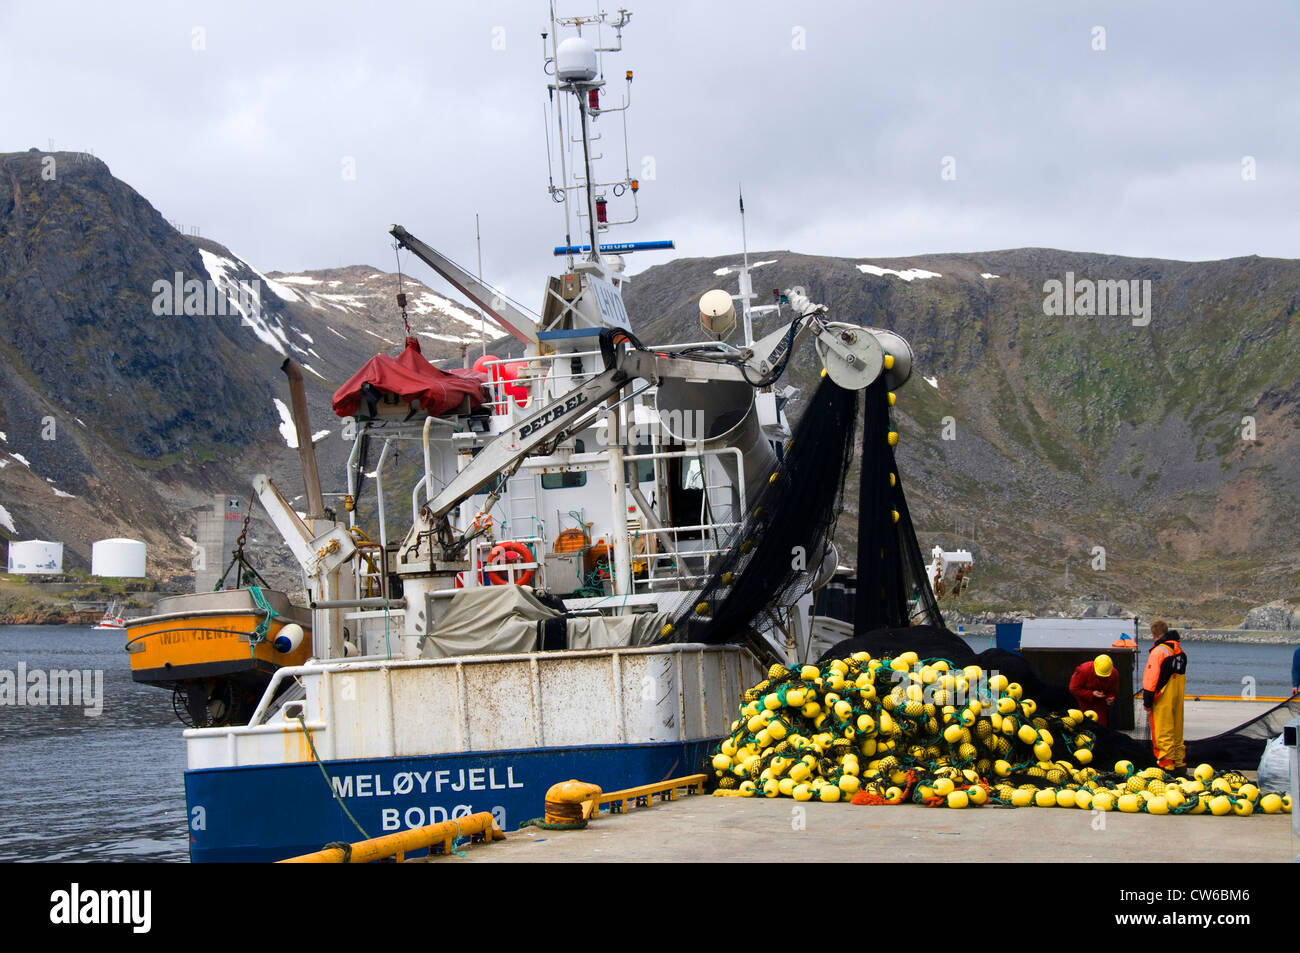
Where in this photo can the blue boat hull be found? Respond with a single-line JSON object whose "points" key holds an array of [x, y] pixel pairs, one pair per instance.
{"points": [[270, 812]]}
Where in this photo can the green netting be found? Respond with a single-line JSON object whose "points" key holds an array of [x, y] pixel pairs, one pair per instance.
{"points": [[905, 729]]}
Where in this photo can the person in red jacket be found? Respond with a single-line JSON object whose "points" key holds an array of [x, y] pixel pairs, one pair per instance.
{"points": [[1094, 685]]}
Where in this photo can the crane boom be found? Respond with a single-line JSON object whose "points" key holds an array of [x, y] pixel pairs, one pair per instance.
{"points": [[513, 321], [558, 419], [854, 355]]}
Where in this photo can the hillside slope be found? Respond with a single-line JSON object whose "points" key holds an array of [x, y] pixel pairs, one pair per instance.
{"points": [[128, 395], [1072, 432]]}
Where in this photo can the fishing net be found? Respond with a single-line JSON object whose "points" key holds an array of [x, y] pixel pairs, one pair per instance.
{"points": [[795, 514], [943, 720], [1243, 746], [770, 558], [1239, 748], [901, 729], [892, 587]]}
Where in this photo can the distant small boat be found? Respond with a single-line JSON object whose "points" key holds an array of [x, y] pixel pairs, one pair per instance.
{"points": [[113, 620]]}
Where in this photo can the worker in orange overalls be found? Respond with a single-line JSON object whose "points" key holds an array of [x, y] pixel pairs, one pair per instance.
{"points": [[1162, 695], [1094, 685]]}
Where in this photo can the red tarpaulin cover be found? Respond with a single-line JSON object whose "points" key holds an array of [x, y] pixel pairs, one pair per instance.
{"points": [[411, 378]]}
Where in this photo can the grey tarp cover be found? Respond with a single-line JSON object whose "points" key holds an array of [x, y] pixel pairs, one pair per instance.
{"points": [[491, 620], [613, 631]]}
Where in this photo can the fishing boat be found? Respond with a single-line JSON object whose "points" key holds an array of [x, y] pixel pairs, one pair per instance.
{"points": [[583, 519], [113, 620], [217, 651]]}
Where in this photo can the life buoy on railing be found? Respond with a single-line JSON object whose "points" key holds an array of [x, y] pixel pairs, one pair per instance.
{"points": [[510, 551]]}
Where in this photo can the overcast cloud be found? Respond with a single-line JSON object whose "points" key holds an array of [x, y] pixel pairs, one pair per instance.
{"points": [[1136, 149]]}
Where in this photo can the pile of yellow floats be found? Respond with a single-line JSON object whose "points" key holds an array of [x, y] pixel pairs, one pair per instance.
{"points": [[897, 730]]}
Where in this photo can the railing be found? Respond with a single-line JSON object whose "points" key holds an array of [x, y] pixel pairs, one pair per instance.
{"points": [[479, 567], [480, 828], [618, 802], [670, 564], [500, 402], [532, 659]]}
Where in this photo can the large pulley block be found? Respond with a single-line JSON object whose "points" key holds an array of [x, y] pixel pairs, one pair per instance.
{"points": [[852, 356]]}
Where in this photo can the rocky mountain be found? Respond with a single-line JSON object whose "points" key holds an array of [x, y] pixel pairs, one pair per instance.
{"points": [[367, 299], [1148, 459], [1119, 429], [140, 368]]}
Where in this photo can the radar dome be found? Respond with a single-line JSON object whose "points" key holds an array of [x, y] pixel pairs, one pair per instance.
{"points": [[575, 60]]}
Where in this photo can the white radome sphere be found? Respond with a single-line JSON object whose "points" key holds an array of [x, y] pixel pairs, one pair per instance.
{"points": [[575, 60]]}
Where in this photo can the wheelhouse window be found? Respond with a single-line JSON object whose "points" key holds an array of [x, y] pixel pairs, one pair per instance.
{"points": [[565, 481]]}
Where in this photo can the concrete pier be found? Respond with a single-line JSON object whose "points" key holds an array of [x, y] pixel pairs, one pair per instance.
{"points": [[706, 829]]}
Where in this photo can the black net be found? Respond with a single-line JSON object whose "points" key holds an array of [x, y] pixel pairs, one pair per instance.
{"points": [[892, 589], [1243, 746], [796, 513], [907, 711], [769, 559]]}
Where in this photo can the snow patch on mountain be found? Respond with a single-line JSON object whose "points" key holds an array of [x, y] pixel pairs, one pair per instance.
{"points": [[907, 274], [251, 313]]}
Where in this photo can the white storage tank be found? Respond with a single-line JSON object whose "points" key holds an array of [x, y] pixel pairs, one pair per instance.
{"points": [[120, 558], [30, 556]]}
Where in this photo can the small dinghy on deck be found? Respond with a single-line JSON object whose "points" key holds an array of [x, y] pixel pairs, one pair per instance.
{"points": [[218, 650]]}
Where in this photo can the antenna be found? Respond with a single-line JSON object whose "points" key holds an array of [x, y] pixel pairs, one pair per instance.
{"points": [[744, 242], [576, 65], [746, 289], [561, 194], [482, 319]]}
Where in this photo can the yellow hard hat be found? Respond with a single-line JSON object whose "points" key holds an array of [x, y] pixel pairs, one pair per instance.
{"points": [[1103, 666]]}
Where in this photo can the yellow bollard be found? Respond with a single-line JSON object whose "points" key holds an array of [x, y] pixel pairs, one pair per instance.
{"points": [[565, 801]]}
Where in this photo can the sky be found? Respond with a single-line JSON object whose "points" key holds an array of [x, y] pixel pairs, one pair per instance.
{"points": [[858, 129]]}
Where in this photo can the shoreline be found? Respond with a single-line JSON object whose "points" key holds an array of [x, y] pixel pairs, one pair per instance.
{"points": [[977, 631], [985, 630]]}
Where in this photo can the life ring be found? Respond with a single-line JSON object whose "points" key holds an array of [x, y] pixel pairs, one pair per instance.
{"points": [[511, 552]]}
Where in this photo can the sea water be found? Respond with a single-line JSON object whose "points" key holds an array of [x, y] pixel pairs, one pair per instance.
{"points": [[81, 785]]}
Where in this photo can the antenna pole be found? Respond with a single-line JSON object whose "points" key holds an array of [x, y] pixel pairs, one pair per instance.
{"points": [[744, 242], [593, 225], [482, 320], [746, 288], [557, 103]]}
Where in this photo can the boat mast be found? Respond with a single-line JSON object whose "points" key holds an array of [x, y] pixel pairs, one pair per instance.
{"points": [[746, 288], [578, 70], [558, 106], [482, 318], [592, 222]]}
